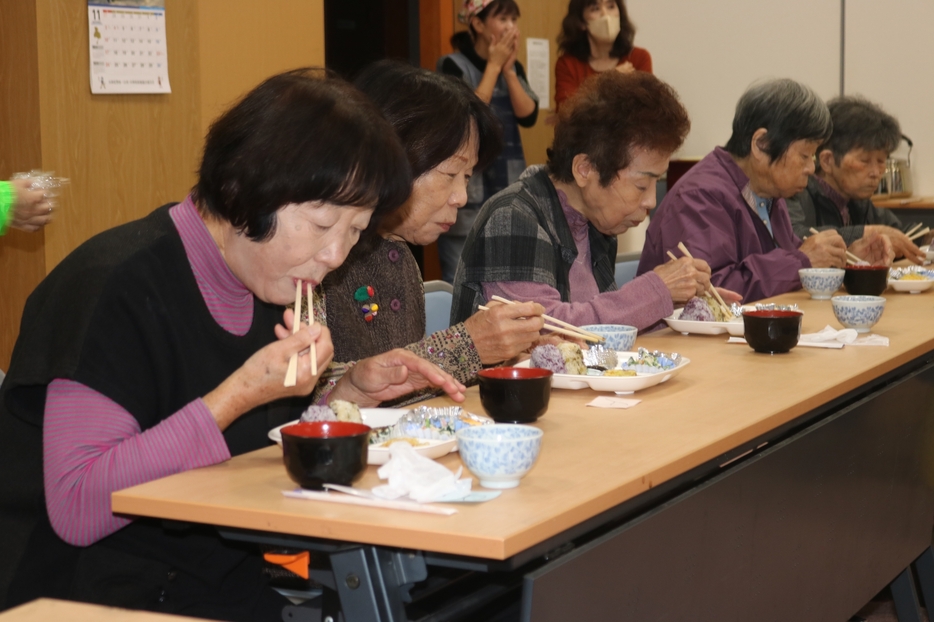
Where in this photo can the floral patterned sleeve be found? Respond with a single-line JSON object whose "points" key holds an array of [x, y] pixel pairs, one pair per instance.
{"points": [[452, 350]]}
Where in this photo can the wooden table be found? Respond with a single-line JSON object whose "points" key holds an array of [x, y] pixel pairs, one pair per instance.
{"points": [[47, 610], [736, 467]]}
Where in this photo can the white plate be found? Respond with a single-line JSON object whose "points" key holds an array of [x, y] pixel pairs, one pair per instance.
{"points": [[431, 449], [910, 285], [377, 418], [621, 384], [685, 327]]}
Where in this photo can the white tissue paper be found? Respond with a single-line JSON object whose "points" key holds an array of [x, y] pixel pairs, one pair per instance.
{"points": [[421, 478], [828, 333], [847, 335]]}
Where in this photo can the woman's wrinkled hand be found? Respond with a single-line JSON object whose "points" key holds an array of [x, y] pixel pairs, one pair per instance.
{"points": [[261, 379], [684, 277], [504, 331], [874, 248], [391, 375], [901, 243], [825, 249]]}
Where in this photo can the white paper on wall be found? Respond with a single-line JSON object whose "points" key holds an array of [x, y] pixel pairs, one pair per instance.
{"points": [[127, 47], [538, 70]]}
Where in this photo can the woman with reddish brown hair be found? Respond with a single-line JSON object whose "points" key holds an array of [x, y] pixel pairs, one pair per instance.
{"points": [[596, 36], [551, 237]]}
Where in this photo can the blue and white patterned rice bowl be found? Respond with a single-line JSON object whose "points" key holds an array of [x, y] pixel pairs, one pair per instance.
{"points": [[619, 337], [500, 454], [821, 283], [858, 312]]}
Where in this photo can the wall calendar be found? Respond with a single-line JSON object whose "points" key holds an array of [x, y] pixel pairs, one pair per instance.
{"points": [[127, 45]]}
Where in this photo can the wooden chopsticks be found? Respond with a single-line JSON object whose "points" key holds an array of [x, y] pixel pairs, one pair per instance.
{"points": [[850, 257], [923, 232], [292, 371], [568, 329], [713, 290], [912, 231], [311, 322]]}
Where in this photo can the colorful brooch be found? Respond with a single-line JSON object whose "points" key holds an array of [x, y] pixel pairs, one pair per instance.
{"points": [[363, 293]]}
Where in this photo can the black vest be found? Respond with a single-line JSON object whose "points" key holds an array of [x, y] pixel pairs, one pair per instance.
{"points": [[123, 315]]}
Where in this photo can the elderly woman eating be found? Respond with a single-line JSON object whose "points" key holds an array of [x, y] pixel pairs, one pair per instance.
{"points": [[850, 165], [551, 237], [156, 347], [729, 209], [375, 301]]}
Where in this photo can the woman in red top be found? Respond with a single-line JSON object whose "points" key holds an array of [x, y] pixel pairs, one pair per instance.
{"points": [[596, 36]]}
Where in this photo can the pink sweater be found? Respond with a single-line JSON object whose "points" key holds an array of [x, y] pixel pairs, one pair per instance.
{"points": [[641, 303], [93, 447]]}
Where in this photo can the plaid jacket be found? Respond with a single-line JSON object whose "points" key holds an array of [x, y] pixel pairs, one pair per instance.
{"points": [[521, 234]]}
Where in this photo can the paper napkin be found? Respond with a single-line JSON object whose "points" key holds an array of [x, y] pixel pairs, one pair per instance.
{"points": [[420, 478], [847, 336], [828, 333]]}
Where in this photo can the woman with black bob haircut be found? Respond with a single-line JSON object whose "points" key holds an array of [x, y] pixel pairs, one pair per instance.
{"points": [[157, 347], [596, 36], [375, 301], [551, 237], [280, 160]]}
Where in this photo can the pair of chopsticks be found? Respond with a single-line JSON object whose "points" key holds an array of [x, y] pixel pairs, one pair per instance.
{"points": [[568, 329], [914, 233], [713, 290], [850, 257], [292, 371]]}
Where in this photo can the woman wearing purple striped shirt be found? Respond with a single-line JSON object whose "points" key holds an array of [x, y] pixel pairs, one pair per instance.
{"points": [[161, 346]]}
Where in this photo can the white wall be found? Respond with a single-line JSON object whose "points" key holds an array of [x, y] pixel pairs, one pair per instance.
{"points": [[710, 52], [890, 60]]}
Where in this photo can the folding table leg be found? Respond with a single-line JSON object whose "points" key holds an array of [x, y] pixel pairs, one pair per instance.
{"points": [[373, 583], [906, 600]]}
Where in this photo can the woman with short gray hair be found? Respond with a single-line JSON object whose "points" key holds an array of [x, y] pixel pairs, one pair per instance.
{"points": [[730, 209], [850, 165], [787, 110]]}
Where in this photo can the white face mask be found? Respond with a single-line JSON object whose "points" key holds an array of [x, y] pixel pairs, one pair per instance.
{"points": [[604, 28]]}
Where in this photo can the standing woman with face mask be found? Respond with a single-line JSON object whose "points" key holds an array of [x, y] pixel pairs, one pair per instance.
{"points": [[486, 60], [596, 36]]}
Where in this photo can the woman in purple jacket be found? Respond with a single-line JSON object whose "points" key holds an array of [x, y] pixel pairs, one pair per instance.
{"points": [[729, 209]]}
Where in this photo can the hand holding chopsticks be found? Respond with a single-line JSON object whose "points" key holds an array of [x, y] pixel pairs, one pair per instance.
{"points": [[850, 257], [568, 329], [725, 308]]}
